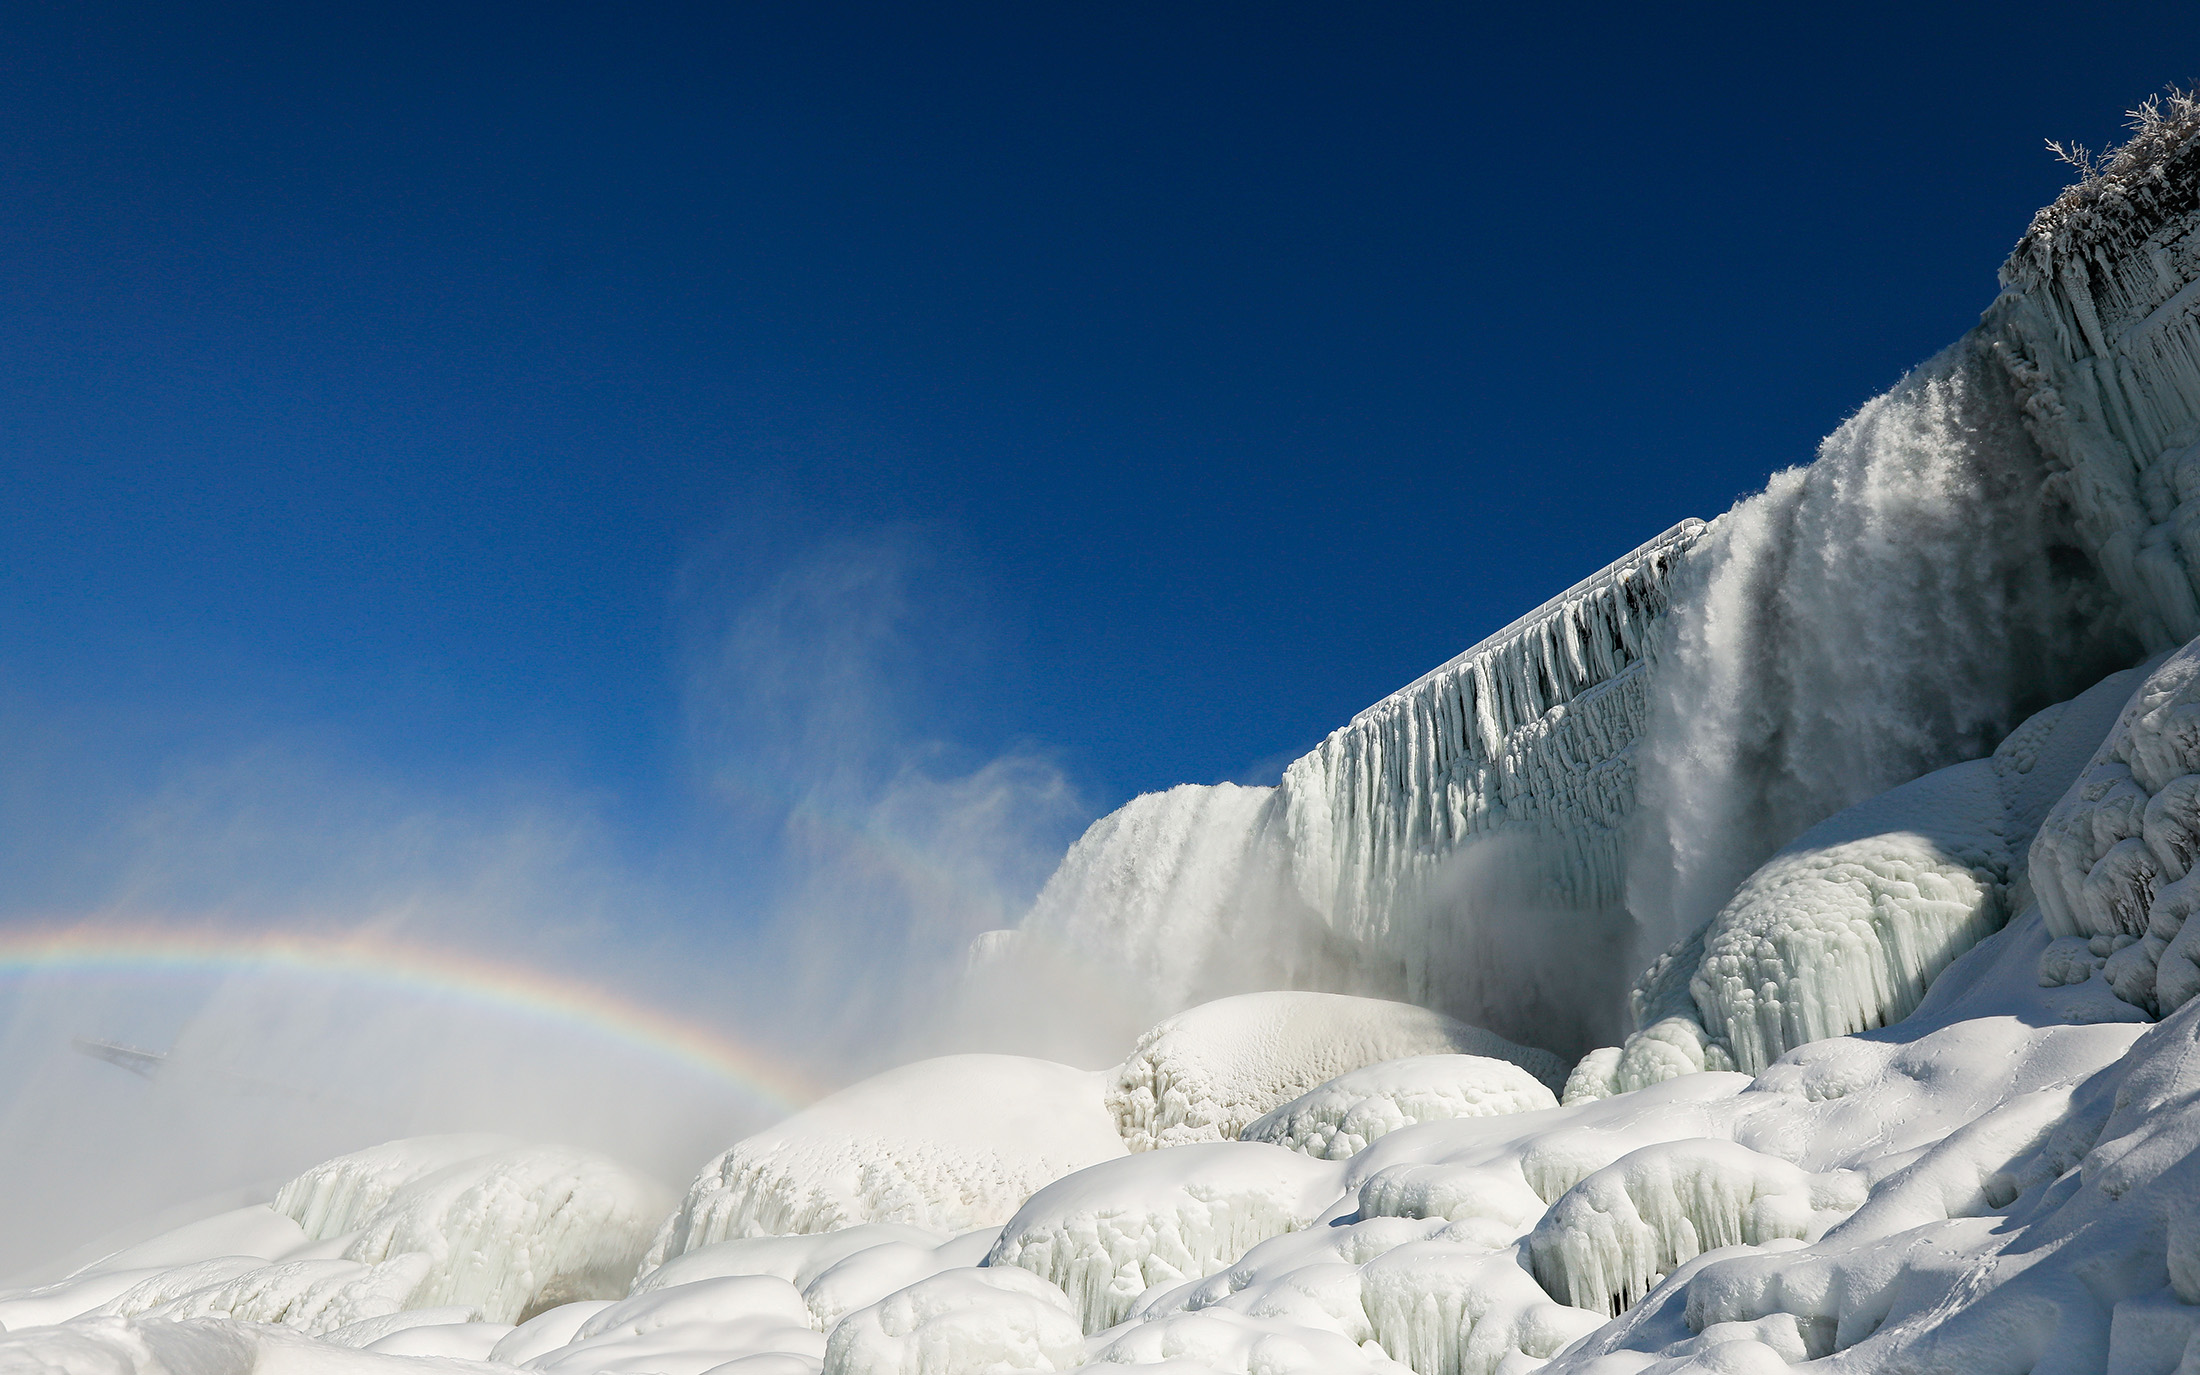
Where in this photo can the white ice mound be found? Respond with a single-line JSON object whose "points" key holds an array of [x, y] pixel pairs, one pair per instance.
{"points": [[1609, 1239], [1107, 1234], [495, 1236], [947, 1145], [1337, 1120], [515, 1232], [2113, 863], [689, 1328], [963, 1322], [338, 1196], [1206, 1073], [1358, 1296], [1843, 931], [1846, 928]]}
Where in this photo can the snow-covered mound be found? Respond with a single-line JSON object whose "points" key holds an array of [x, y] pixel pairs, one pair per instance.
{"points": [[961, 1322], [1110, 1233], [338, 1196], [1337, 1120], [436, 1224], [1205, 1074], [945, 1145], [1845, 928]]}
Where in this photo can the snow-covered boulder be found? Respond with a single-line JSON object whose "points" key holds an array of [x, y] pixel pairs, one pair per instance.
{"points": [[962, 1322], [516, 1232], [1614, 1235], [432, 1224], [686, 1329], [1107, 1234], [1206, 1073], [1337, 1120], [946, 1145], [1842, 931]]}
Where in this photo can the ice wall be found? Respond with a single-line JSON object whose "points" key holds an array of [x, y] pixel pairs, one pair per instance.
{"points": [[1365, 869], [2099, 323], [2014, 519]]}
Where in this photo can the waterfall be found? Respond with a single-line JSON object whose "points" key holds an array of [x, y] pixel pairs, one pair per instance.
{"points": [[1512, 835]]}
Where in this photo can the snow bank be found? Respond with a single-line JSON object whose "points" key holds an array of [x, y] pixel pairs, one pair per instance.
{"points": [[1338, 1119], [945, 1145], [1205, 1074], [512, 1233], [1107, 1234]]}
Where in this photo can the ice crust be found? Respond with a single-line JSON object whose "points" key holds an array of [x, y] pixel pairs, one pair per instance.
{"points": [[1205, 1074], [944, 1145]]}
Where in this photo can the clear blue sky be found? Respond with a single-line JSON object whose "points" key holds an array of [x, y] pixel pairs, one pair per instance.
{"points": [[425, 383]]}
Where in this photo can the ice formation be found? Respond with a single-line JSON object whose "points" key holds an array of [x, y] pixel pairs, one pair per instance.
{"points": [[1353, 873], [1203, 1075], [2112, 863], [1914, 1087], [1337, 1120], [1110, 1233], [945, 1145]]}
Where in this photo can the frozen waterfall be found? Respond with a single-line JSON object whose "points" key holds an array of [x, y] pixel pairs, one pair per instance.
{"points": [[1510, 836]]}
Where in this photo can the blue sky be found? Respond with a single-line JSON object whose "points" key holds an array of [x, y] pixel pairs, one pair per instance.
{"points": [[448, 402]]}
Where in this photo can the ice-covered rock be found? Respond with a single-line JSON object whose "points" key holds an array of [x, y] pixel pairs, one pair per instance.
{"points": [[1449, 1309], [512, 1233], [1337, 1120], [991, 1321], [2099, 323], [685, 1329], [1205, 1074], [1614, 1235], [1107, 1234], [1843, 931], [946, 1145], [433, 1224]]}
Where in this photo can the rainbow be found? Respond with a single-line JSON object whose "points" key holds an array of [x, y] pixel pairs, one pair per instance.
{"points": [[135, 949]]}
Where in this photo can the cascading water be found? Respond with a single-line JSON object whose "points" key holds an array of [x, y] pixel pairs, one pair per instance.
{"points": [[2013, 520], [1897, 606]]}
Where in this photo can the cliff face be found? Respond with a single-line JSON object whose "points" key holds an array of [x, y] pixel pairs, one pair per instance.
{"points": [[1348, 875], [1511, 836], [2099, 324], [1529, 728]]}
